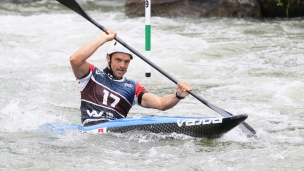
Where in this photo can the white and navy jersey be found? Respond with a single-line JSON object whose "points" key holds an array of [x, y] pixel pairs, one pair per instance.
{"points": [[103, 98]]}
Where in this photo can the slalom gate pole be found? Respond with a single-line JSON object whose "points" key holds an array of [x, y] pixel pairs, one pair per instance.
{"points": [[148, 34]]}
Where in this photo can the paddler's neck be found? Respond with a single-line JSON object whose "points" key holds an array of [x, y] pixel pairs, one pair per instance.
{"points": [[110, 73]]}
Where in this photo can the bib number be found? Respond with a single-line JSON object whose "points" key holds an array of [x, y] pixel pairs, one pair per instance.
{"points": [[106, 97]]}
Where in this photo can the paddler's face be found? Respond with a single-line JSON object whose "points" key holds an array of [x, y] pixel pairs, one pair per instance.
{"points": [[119, 63]]}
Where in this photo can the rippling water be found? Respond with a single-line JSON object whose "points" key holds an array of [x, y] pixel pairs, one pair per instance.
{"points": [[241, 65]]}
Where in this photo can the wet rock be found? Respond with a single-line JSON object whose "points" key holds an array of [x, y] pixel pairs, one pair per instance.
{"points": [[196, 8], [282, 8]]}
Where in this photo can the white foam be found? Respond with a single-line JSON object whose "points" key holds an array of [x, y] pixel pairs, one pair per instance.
{"points": [[16, 117]]}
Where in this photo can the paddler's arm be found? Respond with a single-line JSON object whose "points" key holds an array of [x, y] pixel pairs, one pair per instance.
{"points": [[78, 59], [150, 100]]}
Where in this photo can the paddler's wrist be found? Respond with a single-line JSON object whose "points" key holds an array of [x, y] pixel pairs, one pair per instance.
{"points": [[101, 40], [178, 96]]}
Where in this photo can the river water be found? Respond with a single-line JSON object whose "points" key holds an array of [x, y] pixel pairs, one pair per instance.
{"points": [[248, 66]]}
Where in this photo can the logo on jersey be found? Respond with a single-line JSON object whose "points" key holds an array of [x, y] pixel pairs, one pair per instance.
{"points": [[103, 114], [128, 85], [98, 72]]}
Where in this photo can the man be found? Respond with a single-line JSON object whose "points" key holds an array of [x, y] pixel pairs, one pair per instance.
{"points": [[106, 94]]}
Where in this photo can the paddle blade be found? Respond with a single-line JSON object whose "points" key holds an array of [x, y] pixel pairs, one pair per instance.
{"points": [[248, 130], [73, 5]]}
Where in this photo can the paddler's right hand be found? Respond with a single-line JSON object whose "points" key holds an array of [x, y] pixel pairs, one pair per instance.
{"points": [[108, 37]]}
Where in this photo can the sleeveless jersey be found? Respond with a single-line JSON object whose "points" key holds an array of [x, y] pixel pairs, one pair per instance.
{"points": [[104, 99]]}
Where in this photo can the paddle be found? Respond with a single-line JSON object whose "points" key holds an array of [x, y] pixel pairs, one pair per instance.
{"points": [[73, 5]]}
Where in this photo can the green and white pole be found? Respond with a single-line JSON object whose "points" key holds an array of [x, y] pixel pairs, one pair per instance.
{"points": [[148, 34]]}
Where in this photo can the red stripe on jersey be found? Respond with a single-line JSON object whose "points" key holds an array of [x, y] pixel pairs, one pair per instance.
{"points": [[91, 67], [139, 89]]}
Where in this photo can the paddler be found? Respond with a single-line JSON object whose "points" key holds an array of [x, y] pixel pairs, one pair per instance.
{"points": [[106, 94]]}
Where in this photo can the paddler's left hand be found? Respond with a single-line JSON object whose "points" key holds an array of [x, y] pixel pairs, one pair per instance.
{"points": [[182, 88]]}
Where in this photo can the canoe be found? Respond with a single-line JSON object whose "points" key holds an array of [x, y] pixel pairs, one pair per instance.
{"points": [[208, 127]]}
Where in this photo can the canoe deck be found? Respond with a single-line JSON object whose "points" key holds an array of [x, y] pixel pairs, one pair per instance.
{"points": [[208, 127]]}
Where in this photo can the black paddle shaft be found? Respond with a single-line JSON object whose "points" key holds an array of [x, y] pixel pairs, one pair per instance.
{"points": [[73, 5]]}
